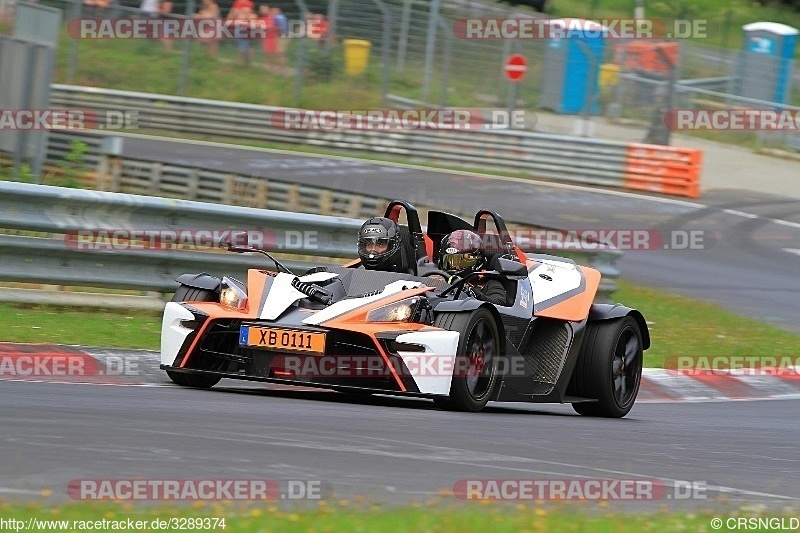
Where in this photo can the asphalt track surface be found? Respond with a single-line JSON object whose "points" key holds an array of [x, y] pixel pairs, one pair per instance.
{"points": [[745, 261], [397, 450], [387, 449]]}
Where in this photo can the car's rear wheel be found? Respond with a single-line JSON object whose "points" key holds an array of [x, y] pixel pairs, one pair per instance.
{"points": [[609, 368], [477, 358], [185, 293]]}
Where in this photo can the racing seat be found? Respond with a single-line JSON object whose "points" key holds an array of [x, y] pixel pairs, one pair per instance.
{"points": [[412, 244], [407, 264], [509, 285]]}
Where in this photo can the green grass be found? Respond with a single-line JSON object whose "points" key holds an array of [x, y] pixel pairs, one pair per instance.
{"points": [[682, 326], [148, 66], [64, 325], [354, 516], [678, 326]]}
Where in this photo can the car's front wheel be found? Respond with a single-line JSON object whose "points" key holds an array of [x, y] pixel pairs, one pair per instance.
{"points": [[185, 293], [476, 372], [609, 368]]}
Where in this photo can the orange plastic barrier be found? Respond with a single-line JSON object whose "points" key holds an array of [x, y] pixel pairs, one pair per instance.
{"points": [[644, 56], [663, 169]]}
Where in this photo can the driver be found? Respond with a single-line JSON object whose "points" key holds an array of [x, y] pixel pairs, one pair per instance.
{"points": [[379, 244], [460, 254]]}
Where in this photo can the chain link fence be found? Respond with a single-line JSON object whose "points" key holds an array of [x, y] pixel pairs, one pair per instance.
{"points": [[416, 59]]}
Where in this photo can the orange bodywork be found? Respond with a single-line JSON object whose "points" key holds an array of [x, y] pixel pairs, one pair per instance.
{"points": [[354, 320], [575, 308]]}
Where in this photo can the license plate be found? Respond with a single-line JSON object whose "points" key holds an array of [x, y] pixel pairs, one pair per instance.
{"points": [[282, 339]]}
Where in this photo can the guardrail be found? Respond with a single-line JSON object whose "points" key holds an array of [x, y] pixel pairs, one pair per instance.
{"points": [[558, 157], [61, 257]]}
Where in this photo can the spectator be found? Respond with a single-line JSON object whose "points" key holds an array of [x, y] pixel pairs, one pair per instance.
{"points": [[90, 8], [317, 27], [209, 10], [242, 12], [271, 36], [283, 36], [165, 12], [149, 8]]}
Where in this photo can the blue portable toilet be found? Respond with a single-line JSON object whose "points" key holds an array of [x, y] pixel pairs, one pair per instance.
{"points": [[572, 62], [765, 66]]}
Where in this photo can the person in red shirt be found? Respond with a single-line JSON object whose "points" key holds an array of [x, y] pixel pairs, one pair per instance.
{"points": [[270, 44]]}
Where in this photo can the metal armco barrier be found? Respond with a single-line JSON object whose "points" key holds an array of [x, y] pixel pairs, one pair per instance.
{"points": [[61, 210], [59, 258], [557, 157]]}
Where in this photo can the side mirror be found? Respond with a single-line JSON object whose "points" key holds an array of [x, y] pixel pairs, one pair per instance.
{"points": [[227, 243], [512, 269]]}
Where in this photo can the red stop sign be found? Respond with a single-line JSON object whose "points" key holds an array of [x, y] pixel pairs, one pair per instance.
{"points": [[516, 67]]}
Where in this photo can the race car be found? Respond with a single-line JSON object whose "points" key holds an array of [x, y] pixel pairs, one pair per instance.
{"points": [[415, 332]]}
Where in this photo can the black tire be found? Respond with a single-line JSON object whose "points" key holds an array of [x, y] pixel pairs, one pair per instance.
{"points": [[609, 368], [192, 294], [197, 381], [476, 376]]}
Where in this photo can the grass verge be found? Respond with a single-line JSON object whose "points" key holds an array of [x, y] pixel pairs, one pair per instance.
{"points": [[678, 326], [684, 326], [347, 516], [95, 327]]}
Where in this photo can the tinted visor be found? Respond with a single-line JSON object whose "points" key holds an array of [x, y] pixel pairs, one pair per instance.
{"points": [[374, 241], [460, 261]]}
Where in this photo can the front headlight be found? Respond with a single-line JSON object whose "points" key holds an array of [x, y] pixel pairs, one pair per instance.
{"points": [[408, 310], [232, 295]]}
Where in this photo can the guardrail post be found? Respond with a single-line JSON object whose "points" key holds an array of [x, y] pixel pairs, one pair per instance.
{"points": [[262, 194], [116, 174], [193, 182], [228, 187], [354, 209], [605, 262], [292, 198], [155, 178], [325, 202], [103, 173]]}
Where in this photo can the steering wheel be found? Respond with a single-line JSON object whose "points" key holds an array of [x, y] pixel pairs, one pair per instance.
{"points": [[438, 273]]}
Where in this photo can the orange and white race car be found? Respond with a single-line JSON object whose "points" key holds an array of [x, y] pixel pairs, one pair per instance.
{"points": [[411, 332]]}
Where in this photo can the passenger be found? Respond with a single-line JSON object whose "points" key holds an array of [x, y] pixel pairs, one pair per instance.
{"points": [[459, 255]]}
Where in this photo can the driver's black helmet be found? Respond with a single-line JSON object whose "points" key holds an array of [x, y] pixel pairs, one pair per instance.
{"points": [[460, 251], [382, 236]]}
